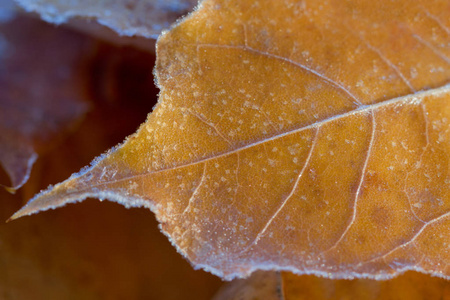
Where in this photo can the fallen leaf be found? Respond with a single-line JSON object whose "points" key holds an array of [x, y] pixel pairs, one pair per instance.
{"points": [[146, 18], [310, 137], [260, 285], [41, 86], [411, 285]]}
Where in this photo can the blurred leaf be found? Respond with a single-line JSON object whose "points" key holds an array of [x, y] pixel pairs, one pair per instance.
{"points": [[146, 18], [411, 285], [260, 285], [41, 90]]}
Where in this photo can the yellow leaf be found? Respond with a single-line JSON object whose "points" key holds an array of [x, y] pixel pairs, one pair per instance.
{"points": [[304, 136]]}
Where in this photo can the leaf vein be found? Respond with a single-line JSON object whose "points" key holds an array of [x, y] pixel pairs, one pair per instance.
{"points": [[412, 99], [413, 238], [358, 191], [292, 192], [330, 81]]}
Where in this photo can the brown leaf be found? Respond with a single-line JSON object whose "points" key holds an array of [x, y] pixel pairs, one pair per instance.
{"points": [[411, 285], [260, 285], [308, 137], [41, 90], [146, 18]]}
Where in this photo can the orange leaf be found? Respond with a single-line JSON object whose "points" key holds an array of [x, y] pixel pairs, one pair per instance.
{"points": [[308, 137]]}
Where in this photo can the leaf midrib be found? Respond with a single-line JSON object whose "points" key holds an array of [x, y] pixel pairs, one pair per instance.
{"points": [[413, 98]]}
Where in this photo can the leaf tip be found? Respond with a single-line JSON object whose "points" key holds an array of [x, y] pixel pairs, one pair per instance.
{"points": [[11, 190], [24, 211], [48, 199]]}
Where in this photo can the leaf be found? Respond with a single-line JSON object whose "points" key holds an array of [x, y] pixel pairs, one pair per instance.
{"points": [[146, 18], [307, 137], [411, 285], [261, 285], [37, 110]]}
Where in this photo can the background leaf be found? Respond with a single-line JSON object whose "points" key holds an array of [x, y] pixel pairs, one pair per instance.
{"points": [[145, 18], [42, 90], [260, 285], [287, 286], [411, 285]]}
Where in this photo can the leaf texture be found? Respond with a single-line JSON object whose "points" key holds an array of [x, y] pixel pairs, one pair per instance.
{"points": [[305, 136]]}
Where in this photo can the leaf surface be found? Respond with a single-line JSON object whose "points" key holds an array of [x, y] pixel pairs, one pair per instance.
{"points": [[37, 110], [311, 137]]}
